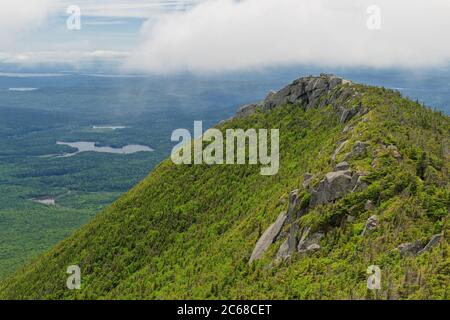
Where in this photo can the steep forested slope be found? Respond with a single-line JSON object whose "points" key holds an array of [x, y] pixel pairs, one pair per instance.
{"points": [[189, 231]]}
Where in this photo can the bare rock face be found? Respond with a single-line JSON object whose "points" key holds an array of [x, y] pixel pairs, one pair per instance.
{"points": [[335, 185], [346, 114], [417, 248], [293, 198], [342, 166], [304, 91], [309, 242], [359, 149], [283, 252], [360, 185], [246, 110], [432, 243], [289, 245], [268, 237]]}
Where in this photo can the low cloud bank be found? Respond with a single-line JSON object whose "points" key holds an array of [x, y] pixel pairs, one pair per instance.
{"points": [[18, 16], [227, 35]]}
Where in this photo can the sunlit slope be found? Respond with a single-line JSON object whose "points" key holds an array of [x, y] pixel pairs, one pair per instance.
{"points": [[188, 231]]}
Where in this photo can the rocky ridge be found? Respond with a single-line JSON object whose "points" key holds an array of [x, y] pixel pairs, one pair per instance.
{"points": [[309, 92], [318, 92]]}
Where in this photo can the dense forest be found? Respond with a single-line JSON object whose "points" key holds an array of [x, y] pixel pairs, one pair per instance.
{"points": [[188, 231]]}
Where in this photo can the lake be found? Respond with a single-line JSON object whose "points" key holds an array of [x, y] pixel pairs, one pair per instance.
{"points": [[84, 146]]}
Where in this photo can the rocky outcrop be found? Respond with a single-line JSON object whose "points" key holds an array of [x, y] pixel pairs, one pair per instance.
{"points": [[309, 242], [283, 252], [293, 198], [409, 248], [288, 247], [268, 237], [360, 185], [432, 243], [416, 247], [359, 149], [335, 185], [342, 166], [307, 92], [346, 114], [246, 110]]}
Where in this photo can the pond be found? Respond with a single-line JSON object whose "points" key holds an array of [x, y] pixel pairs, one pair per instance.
{"points": [[84, 146]]}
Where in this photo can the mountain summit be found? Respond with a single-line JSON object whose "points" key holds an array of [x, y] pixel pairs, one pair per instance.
{"points": [[362, 185]]}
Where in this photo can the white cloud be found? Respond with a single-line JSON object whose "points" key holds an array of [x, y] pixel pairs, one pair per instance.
{"points": [[61, 57], [18, 16], [129, 8], [226, 35], [29, 36]]}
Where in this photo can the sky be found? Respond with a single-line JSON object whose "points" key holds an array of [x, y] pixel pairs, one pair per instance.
{"points": [[204, 36]]}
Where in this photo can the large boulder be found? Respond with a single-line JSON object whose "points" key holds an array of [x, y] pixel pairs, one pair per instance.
{"points": [[347, 114], [268, 237], [335, 185]]}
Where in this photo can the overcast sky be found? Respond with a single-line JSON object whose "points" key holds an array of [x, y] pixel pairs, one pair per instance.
{"points": [[160, 36]]}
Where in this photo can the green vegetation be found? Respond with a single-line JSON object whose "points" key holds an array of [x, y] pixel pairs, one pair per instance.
{"points": [[187, 232], [82, 185]]}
